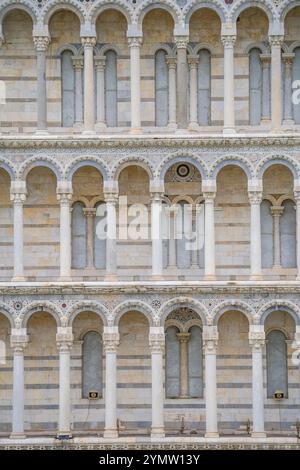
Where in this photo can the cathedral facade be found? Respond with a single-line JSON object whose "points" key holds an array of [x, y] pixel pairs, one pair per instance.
{"points": [[155, 123]]}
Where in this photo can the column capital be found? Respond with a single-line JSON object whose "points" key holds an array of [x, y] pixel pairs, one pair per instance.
{"points": [[100, 61], [41, 43], [193, 61], [111, 197], [181, 41], [265, 59], [257, 336], [288, 58], [157, 186], [276, 40], [64, 338], [255, 197], [90, 212], [19, 339], [157, 339], [77, 62], [111, 339], [18, 191], [277, 211], [171, 62], [156, 196], [88, 41], [64, 191], [183, 337], [209, 186], [209, 196], [135, 41], [228, 40], [210, 339]]}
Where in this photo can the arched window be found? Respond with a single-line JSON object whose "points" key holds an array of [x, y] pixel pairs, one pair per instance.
{"points": [[68, 89], [91, 364], [288, 235], [195, 362], [99, 242], [204, 88], [266, 234], [277, 371], [79, 242], [111, 89], [161, 89], [255, 85], [183, 233], [296, 76], [172, 363]]}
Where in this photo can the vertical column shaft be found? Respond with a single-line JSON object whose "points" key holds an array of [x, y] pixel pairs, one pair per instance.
{"points": [[111, 340], [229, 111], [41, 45], [89, 98]]}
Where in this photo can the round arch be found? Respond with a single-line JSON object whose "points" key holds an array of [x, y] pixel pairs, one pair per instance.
{"points": [[54, 6], [9, 6], [88, 306], [81, 162], [284, 306], [183, 302], [39, 307], [269, 161], [8, 168], [33, 163], [243, 5], [133, 306], [182, 157], [238, 161], [229, 306], [287, 6], [126, 162], [100, 6], [5, 311], [194, 5], [148, 6]]}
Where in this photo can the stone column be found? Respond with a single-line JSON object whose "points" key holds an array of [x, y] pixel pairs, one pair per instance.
{"points": [[18, 194], [64, 196], [157, 344], [171, 62], [18, 342], [276, 42], [90, 213], [229, 111], [64, 340], [89, 98], [78, 67], [156, 235], [297, 198], [209, 235], [257, 341], [195, 228], [135, 83], [181, 44], [193, 64], [111, 339], [172, 243], [111, 240], [210, 342], [41, 44], [184, 379], [100, 69], [288, 104], [255, 198], [266, 112], [276, 212]]}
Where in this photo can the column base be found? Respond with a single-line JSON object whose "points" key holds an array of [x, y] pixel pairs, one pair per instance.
{"points": [[172, 126], [193, 126], [110, 434], [288, 122], [110, 277], [209, 435], [101, 127], [210, 277], [88, 132], [64, 436], [17, 435], [157, 433], [157, 277], [256, 435], [229, 131], [265, 120], [136, 130], [19, 279], [256, 277], [41, 132]]}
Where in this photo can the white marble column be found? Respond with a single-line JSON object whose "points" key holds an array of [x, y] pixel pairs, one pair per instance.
{"points": [[172, 241], [181, 44], [229, 111], [210, 342], [18, 342], [157, 345], [156, 236], [78, 67], [276, 212], [276, 103], [184, 364], [255, 198], [288, 104], [193, 64], [111, 341], [266, 111], [100, 69], [111, 200], [41, 44], [257, 342], [18, 194], [64, 196], [90, 214], [297, 198], [64, 340], [89, 96], [135, 83], [171, 62], [209, 235]]}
